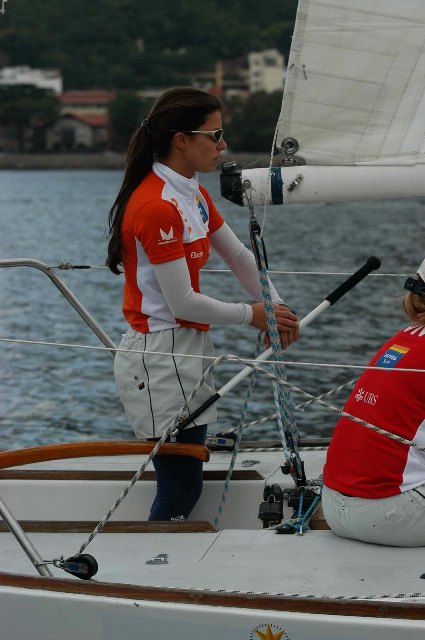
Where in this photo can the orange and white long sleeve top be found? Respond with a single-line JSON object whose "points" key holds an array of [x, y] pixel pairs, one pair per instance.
{"points": [[168, 227]]}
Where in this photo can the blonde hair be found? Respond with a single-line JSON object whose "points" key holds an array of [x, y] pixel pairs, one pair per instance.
{"points": [[414, 306]]}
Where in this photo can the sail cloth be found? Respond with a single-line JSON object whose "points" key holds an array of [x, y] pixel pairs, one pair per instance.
{"points": [[355, 85]]}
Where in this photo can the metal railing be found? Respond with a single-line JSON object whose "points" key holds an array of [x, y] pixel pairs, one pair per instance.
{"points": [[5, 512], [67, 293]]}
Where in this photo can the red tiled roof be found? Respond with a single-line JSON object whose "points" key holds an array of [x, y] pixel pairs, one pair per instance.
{"points": [[91, 120], [89, 96], [95, 120]]}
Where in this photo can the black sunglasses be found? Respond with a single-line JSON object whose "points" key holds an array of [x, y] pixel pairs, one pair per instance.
{"points": [[415, 287]]}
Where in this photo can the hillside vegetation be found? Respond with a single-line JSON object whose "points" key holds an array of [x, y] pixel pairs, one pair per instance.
{"points": [[131, 44]]}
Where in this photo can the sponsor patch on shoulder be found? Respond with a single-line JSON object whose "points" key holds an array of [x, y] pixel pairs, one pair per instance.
{"points": [[202, 211], [391, 356]]}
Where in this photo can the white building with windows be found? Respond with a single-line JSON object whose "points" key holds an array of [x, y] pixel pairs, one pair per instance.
{"points": [[50, 79], [266, 71]]}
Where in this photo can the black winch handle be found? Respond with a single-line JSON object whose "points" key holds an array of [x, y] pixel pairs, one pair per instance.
{"points": [[371, 264]]}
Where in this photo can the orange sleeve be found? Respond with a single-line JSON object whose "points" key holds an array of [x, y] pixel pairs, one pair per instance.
{"points": [[159, 227], [215, 218]]}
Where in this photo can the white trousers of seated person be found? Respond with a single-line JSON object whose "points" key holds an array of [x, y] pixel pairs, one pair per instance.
{"points": [[397, 521]]}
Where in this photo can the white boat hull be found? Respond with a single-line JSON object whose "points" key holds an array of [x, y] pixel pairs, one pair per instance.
{"points": [[235, 583], [42, 614]]}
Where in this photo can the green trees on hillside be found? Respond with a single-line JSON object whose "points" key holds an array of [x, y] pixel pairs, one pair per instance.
{"points": [[133, 44], [252, 122]]}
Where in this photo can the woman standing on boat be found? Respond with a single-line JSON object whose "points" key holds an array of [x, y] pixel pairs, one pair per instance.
{"points": [[162, 225], [374, 486]]}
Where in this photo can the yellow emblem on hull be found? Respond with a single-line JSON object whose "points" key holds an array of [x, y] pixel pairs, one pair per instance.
{"points": [[269, 632]]}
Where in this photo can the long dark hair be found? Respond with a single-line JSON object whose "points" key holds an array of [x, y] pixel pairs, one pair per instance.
{"points": [[178, 109]]}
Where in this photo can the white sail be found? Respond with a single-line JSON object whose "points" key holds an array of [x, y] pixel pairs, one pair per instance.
{"points": [[355, 86], [354, 101]]}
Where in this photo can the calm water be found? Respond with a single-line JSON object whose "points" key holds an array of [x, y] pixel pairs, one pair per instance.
{"points": [[52, 394]]}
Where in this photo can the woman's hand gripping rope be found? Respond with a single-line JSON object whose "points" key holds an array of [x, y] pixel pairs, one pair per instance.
{"points": [[287, 323]]}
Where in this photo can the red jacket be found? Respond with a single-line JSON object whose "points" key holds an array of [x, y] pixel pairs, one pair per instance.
{"points": [[366, 464]]}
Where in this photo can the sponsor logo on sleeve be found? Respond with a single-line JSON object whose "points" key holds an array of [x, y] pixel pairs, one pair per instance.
{"points": [[166, 236], [392, 355]]}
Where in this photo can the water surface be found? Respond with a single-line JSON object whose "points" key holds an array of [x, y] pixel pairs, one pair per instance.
{"points": [[52, 394]]}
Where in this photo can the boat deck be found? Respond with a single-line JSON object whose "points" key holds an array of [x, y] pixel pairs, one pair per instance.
{"points": [[60, 503], [318, 564]]}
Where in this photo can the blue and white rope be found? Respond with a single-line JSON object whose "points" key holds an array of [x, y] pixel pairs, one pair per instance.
{"points": [[284, 406]]}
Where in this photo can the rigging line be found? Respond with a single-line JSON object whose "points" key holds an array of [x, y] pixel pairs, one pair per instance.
{"points": [[275, 272], [230, 357], [282, 397], [312, 273], [342, 387], [251, 164], [283, 401], [126, 490], [364, 423], [298, 407]]}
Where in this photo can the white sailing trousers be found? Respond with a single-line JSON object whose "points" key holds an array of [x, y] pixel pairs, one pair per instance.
{"points": [[398, 521], [153, 386]]}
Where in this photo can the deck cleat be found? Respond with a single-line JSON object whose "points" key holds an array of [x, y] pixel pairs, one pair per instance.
{"points": [[161, 558], [271, 510]]}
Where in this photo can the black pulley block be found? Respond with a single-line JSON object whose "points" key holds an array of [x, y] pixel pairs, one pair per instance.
{"points": [[84, 566]]}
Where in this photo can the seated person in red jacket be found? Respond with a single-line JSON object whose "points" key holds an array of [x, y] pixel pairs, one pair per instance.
{"points": [[374, 487]]}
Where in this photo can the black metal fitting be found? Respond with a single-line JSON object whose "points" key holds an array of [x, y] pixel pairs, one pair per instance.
{"points": [[221, 441], [294, 497], [231, 183], [271, 510]]}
